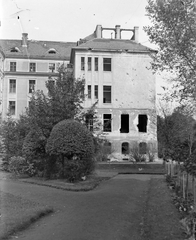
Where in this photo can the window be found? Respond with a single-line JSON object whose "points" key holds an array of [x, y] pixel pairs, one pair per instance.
{"points": [[51, 67], [142, 148], [89, 91], [107, 94], [142, 123], [89, 63], [31, 86], [82, 63], [96, 92], [125, 148], [12, 66], [14, 49], [96, 64], [107, 120], [51, 51], [12, 107], [124, 123], [32, 67], [107, 66], [89, 122], [12, 86]]}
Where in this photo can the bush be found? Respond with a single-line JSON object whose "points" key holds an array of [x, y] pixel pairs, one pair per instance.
{"points": [[135, 154], [19, 165], [73, 143]]}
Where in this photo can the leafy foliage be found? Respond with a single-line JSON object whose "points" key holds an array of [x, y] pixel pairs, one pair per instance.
{"points": [[73, 143], [19, 165], [173, 30], [176, 135]]}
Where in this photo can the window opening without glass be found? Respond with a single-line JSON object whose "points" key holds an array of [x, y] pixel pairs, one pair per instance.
{"points": [[142, 123], [124, 123]]}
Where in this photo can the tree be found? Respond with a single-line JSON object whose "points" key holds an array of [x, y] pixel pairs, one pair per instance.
{"points": [[173, 30], [73, 143], [176, 134]]}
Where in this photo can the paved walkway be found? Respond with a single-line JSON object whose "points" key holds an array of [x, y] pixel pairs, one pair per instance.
{"points": [[112, 211]]}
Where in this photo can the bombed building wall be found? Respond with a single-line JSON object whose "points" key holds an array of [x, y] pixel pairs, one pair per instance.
{"points": [[127, 129]]}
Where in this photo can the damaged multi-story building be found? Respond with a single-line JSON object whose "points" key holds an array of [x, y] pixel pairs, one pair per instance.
{"points": [[117, 76]]}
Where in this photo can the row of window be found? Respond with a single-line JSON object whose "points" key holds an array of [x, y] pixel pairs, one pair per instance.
{"points": [[12, 86], [32, 67], [107, 64], [125, 149], [107, 93], [107, 123]]}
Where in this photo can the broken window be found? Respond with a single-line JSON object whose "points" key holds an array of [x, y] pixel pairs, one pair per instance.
{"points": [[142, 148], [142, 123], [125, 148], [107, 94], [96, 64], [89, 63], [107, 64], [107, 120], [124, 123], [89, 91], [96, 91], [82, 63]]}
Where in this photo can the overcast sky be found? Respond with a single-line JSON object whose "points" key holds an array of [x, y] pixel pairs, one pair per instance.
{"points": [[69, 20]]}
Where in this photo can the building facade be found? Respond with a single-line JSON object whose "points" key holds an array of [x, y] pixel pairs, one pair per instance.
{"points": [[117, 75], [25, 66]]}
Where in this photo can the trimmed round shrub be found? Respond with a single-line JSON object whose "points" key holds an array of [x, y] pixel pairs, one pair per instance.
{"points": [[73, 143]]}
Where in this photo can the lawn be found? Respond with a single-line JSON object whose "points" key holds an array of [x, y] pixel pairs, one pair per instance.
{"points": [[18, 213]]}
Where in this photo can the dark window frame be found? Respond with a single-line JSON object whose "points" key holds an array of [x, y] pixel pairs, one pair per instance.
{"points": [[12, 86], [107, 90], [107, 64], [96, 62], [32, 84], [107, 122], [12, 66], [96, 91], [32, 67], [12, 107], [89, 63], [82, 63], [89, 91]]}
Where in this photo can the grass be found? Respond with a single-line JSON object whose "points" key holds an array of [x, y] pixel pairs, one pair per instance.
{"points": [[17, 214]]}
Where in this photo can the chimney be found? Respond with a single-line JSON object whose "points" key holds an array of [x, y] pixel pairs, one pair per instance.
{"points": [[117, 32], [24, 39], [98, 31], [136, 34]]}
